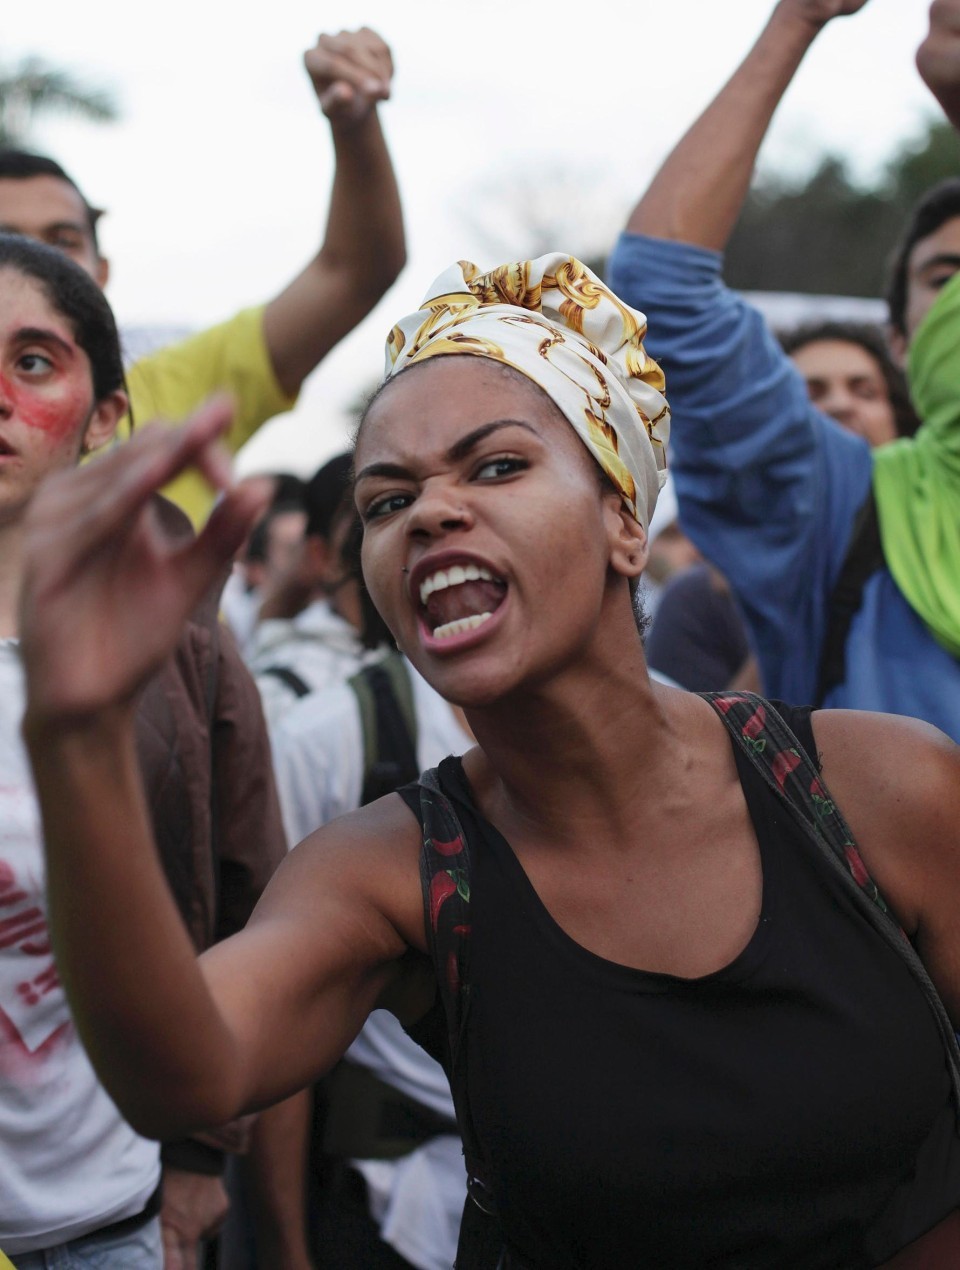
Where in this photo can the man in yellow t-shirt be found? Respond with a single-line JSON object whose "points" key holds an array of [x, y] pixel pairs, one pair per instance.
{"points": [[262, 355]]}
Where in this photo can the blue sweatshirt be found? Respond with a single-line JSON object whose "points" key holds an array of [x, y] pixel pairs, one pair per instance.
{"points": [[769, 488]]}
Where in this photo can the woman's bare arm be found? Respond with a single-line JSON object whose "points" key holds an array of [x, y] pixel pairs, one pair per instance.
{"points": [[180, 1044], [897, 782]]}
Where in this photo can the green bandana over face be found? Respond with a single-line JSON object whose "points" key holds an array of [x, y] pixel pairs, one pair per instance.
{"points": [[917, 480]]}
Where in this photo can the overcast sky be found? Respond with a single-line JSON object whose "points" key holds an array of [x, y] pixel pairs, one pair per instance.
{"points": [[216, 178]]}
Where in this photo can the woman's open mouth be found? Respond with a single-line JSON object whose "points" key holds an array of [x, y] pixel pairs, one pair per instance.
{"points": [[458, 599]]}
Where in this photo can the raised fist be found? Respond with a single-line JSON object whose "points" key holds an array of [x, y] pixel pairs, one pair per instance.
{"points": [[351, 72], [938, 57], [821, 11]]}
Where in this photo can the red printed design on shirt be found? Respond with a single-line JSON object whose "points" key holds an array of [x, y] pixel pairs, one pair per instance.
{"points": [[32, 1009]]}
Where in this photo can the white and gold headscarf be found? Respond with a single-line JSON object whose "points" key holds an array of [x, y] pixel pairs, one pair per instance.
{"points": [[558, 324]]}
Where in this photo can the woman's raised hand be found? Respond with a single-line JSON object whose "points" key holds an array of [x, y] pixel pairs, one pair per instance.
{"points": [[106, 589]]}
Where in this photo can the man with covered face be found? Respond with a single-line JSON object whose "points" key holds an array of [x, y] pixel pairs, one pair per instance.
{"points": [[845, 560]]}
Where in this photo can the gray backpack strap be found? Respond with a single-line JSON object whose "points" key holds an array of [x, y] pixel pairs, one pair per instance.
{"points": [[385, 698]]}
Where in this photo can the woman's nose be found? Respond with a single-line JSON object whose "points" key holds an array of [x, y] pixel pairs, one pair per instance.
{"points": [[440, 509]]}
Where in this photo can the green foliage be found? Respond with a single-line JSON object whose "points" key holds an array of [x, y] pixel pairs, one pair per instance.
{"points": [[33, 88], [828, 235]]}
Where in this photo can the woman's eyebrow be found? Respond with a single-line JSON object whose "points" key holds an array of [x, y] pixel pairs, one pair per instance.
{"points": [[32, 334], [396, 470], [459, 450]]}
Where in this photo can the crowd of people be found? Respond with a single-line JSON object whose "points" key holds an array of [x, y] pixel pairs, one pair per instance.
{"points": [[531, 841]]}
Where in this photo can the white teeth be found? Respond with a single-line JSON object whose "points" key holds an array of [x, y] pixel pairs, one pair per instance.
{"points": [[454, 576], [460, 625]]}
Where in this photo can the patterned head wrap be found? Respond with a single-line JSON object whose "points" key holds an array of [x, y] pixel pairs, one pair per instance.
{"points": [[558, 324]]}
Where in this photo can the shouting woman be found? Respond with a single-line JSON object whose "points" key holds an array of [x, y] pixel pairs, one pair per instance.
{"points": [[683, 1027]]}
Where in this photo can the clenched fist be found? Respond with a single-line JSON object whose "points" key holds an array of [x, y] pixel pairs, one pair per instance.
{"points": [[351, 72]]}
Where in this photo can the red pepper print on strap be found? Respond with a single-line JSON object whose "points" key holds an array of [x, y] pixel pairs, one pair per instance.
{"points": [[857, 867], [753, 729], [784, 763], [825, 806], [453, 847], [726, 703], [444, 884]]}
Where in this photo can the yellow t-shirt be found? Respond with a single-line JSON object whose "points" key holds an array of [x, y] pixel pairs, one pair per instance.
{"points": [[172, 382]]}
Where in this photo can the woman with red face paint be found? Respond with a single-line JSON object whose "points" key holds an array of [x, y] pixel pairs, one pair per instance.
{"points": [[69, 1165], [694, 1036], [77, 1184]]}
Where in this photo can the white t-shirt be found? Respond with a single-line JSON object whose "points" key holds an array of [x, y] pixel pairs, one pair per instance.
{"points": [[319, 646], [318, 756], [69, 1163]]}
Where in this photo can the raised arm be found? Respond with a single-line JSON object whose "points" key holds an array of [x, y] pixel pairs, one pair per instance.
{"points": [[177, 1043], [699, 191], [768, 487], [363, 248], [938, 58]]}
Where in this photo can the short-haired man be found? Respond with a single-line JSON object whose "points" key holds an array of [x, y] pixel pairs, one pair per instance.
{"points": [[262, 355], [773, 492]]}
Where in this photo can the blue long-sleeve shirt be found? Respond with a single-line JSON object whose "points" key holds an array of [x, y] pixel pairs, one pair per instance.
{"points": [[769, 489]]}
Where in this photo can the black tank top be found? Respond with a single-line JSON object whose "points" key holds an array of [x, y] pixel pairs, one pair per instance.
{"points": [[792, 1110]]}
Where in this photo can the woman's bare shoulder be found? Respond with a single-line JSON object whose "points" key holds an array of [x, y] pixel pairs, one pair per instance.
{"points": [[897, 782], [903, 760], [364, 864]]}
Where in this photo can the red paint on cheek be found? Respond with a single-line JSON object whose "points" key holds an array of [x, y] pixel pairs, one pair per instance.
{"points": [[59, 412]]}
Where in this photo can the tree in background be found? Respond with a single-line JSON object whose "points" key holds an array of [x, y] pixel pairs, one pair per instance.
{"points": [[824, 234], [828, 235], [32, 88]]}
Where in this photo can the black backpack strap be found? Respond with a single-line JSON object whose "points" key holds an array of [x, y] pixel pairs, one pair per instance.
{"points": [[385, 697], [864, 557], [789, 771], [445, 882], [289, 678]]}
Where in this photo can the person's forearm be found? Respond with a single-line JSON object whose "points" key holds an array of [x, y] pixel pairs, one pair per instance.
{"points": [[365, 223], [698, 193], [362, 253], [138, 997], [276, 1168]]}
